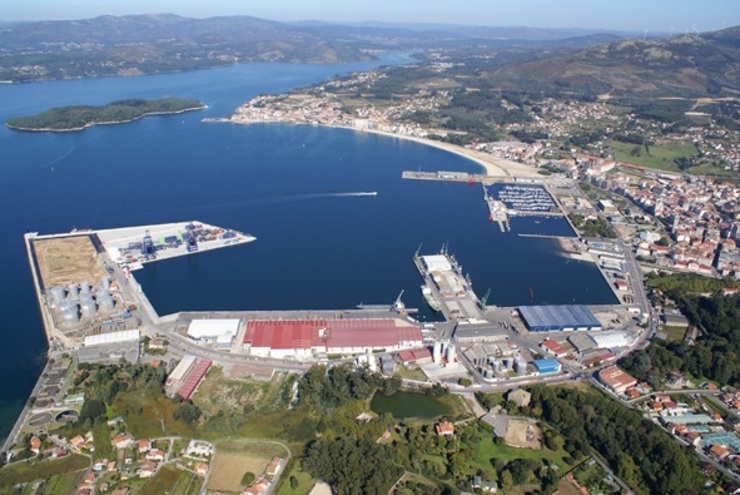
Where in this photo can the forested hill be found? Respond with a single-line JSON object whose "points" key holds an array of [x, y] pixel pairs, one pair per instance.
{"points": [[78, 117], [148, 44], [689, 65]]}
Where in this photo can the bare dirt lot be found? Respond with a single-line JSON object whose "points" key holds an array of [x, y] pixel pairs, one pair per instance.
{"points": [[235, 457], [524, 434], [68, 260], [228, 469]]}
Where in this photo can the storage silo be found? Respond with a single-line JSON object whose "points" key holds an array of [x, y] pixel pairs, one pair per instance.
{"points": [[70, 316], [57, 294], [74, 291], [437, 352], [87, 305], [372, 363], [85, 288], [106, 303], [450, 354], [105, 283], [521, 367]]}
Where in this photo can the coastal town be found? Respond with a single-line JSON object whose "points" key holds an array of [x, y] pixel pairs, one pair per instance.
{"points": [[219, 373]]}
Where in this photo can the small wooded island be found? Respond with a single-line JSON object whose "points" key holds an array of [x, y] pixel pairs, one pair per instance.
{"points": [[78, 117]]}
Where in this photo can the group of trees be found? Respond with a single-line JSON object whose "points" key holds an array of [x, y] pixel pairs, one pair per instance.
{"points": [[638, 450], [341, 384], [592, 227], [715, 353], [351, 465]]}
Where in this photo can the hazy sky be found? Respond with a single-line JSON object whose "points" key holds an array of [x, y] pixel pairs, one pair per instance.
{"points": [[635, 15]]}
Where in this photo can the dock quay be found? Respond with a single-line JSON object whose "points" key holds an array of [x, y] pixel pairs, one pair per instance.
{"points": [[450, 289], [443, 175], [83, 279]]}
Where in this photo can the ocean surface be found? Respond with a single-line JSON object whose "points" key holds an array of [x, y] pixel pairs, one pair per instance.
{"points": [[320, 243]]}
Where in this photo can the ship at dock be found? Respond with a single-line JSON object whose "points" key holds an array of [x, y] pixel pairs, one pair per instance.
{"points": [[429, 298]]}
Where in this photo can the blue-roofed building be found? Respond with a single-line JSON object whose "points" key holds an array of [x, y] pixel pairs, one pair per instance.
{"points": [[566, 318], [547, 365], [729, 440]]}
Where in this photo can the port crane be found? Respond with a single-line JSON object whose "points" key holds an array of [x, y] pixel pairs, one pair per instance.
{"points": [[147, 246], [398, 305], [191, 238]]}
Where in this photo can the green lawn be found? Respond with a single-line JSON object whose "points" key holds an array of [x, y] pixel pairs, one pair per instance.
{"points": [[660, 157]]}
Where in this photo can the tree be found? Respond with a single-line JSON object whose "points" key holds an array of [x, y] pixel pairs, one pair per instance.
{"points": [[293, 482], [93, 410], [188, 413], [249, 477], [507, 480]]}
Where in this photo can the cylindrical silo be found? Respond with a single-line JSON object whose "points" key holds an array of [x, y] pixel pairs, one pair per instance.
{"points": [[87, 305], [521, 367], [105, 303], [105, 283], [74, 291], [57, 294], [70, 315], [450, 353], [85, 288], [437, 352]]}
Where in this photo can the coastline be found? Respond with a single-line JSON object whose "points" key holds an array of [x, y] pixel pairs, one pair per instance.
{"points": [[111, 122], [493, 166]]}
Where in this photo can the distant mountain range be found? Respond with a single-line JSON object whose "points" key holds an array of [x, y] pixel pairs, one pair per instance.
{"points": [[687, 65], [581, 60]]}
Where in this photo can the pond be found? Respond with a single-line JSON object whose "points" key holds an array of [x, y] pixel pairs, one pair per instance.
{"points": [[410, 405]]}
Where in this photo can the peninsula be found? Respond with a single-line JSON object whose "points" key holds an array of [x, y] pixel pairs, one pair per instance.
{"points": [[79, 117]]}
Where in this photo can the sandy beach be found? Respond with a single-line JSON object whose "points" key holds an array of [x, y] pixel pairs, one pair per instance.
{"points": [[493, 166]]}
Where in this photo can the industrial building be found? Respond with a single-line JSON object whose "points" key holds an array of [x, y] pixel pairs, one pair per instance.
{"points": [[112, 337], [194, 378], [110, 347], [611, 340], [218, 331], [304, 338], [564, 318], [616, 379], [182, 369], [547, 365]]}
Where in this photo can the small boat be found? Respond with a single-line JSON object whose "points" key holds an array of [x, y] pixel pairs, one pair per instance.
{"points": [[429, 298]]}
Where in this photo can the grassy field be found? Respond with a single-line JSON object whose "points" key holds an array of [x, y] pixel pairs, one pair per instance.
{"points": [[487, 449], [24, 471], [103, 447], [674, 334], [149, 414], [168, 480], [220, 393], [64, 484], [660, 157], [414, 374], [305, 481]]}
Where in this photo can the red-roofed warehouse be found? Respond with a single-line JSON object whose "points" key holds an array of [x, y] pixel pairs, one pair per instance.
{"points": [[289, 338]]}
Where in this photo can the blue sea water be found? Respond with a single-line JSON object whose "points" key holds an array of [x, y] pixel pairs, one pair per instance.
{"points": [[318, 246]]}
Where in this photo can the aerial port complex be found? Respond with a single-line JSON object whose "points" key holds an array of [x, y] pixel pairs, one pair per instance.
{"points": [[94, 309]]}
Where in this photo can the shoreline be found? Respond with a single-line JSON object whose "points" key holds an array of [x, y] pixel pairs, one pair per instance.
{"points": [[111, 122], [493, 166]]}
